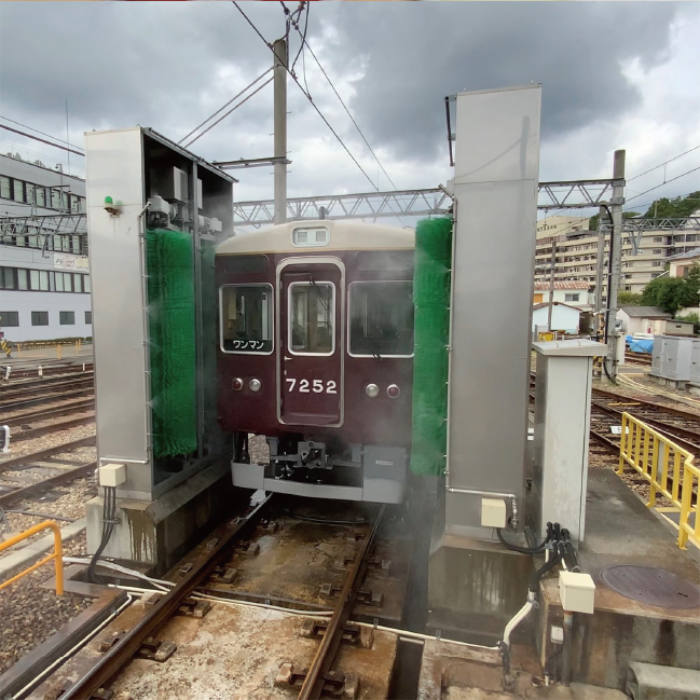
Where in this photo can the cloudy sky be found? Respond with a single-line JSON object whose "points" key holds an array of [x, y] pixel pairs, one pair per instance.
{"points": [[614, 75]]}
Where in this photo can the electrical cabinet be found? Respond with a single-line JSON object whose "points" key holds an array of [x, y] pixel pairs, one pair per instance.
{"points": [[695, 363], [675, 361]]}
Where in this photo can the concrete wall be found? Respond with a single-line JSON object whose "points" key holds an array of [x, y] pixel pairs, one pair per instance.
{"points": [[53, 302], [564, 318]]}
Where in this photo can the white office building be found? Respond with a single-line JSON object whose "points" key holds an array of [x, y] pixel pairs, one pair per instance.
{"points": [[44, 280]]}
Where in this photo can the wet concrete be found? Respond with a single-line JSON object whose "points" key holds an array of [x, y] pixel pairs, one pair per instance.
{"points": [[622, 530]]}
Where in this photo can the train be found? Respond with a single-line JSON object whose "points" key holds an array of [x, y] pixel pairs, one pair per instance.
{"points": [[315, 354]]}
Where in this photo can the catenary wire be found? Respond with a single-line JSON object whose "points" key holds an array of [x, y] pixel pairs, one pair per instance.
{"points": [[310, 98], [235, 97], [225, 114], [665, 182], [666, 162], [38, 131], [36, 138], [306, 44]]}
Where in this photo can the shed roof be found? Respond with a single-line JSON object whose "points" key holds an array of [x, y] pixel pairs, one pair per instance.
{"points": [[556, 303], [645, 312], [564, 284]]}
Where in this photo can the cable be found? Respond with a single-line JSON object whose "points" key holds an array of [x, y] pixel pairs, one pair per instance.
{"points": [[666, 162], [223, 116], [347, 111], [310, 519], [31, 128], [310, 98], [36, 138], [526, 550], [235, 97], [109, 511], [665, 182]]}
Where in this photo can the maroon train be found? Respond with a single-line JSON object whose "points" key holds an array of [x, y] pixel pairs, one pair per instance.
{"points": [[315, 353]]}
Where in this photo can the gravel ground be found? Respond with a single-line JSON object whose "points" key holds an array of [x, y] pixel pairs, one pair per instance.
{"points": [[47, 441], [70, 504], [30, 614]]}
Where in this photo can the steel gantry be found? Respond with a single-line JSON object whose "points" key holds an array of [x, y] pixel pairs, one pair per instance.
{"points": [[436, 201]]}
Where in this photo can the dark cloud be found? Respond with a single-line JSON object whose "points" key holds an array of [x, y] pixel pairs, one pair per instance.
{"points": [[169, 65], [418, 53]]}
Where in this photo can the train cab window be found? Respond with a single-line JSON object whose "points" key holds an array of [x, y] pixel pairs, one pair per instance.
{"points": [[246, 318], [381, 319], [311, 318]]}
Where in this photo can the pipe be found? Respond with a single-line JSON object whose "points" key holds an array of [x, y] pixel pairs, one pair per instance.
{"points": [[518, 618]]}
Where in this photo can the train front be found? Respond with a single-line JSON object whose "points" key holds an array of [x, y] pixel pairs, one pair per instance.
{"points": [[315, 355]]}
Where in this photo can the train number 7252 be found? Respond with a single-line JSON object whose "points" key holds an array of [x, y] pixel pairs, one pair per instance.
{"points": [[311, 386]]}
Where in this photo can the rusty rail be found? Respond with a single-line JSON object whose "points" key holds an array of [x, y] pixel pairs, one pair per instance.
{"points": [[328, 649], [57, 555], [121, 653]]}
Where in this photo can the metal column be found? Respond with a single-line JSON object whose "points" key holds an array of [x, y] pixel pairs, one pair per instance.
{"points": [[616, 255], [280, 108]]}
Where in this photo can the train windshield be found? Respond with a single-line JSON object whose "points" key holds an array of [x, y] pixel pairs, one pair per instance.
{"points": [[246, 318], [381, 318], [311, 316]]}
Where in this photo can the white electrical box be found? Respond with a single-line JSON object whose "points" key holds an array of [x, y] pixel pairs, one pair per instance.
{"points": [[577, 592], [493, 512], [112, 474]]}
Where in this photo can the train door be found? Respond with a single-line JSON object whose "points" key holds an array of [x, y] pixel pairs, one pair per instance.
{"points": [[310, 347]]}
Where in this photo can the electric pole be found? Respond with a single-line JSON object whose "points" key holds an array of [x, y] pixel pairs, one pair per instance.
{"points": [[279, 49], [616, 257]]}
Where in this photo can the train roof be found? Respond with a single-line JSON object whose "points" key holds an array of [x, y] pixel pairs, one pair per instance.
{"points": [[342, 235]]}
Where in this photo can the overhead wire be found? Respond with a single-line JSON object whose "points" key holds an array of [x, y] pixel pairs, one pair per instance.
{"points": [[307, 94], [38, 131], [665, 182], [226, 114], [36, 138], [306, 44], [661, 165], [226, 104]]}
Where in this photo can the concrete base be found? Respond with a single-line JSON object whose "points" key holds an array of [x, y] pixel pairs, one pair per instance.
{"points": [[677, 384], [475, 586], [622, 530], [156, 533]]}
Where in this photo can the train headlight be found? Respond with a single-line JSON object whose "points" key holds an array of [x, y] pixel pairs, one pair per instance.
{"points": [[372, 390], [255, 385], [237, 384], [393, 391]]}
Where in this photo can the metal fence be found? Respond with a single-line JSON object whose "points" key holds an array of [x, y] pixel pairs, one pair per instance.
{"points": [[57, 554], [668, 468]]}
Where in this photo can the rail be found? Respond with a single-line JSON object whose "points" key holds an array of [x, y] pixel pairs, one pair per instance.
{"points": [[57, 555], [662, 463]]}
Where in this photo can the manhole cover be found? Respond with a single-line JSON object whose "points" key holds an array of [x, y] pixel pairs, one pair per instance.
{"points": [[651, 585]]}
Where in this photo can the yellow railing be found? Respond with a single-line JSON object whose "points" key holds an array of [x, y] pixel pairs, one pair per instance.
{"points": [[57, 553], [668, 468]]}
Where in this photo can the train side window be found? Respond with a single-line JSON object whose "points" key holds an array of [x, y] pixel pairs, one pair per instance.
{"points": [[381, 319], [246, 318], [311, 318]]}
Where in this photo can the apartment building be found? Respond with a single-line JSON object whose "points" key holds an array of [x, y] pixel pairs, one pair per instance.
{"points": [[574, 249], [44, 277]]}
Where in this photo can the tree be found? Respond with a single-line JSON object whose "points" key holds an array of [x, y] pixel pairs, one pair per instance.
{"points": [[593, 221], [629, 298], [675, 208], [672, 293]]}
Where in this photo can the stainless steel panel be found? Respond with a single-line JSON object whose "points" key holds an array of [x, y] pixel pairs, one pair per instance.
{"points": [[496, 176], [115, 168]]}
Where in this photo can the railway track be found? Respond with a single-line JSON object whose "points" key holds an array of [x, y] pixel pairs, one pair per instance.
{"points": [[317, 576], [47, 369], [24, 398]]}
